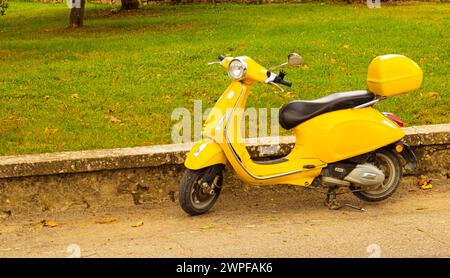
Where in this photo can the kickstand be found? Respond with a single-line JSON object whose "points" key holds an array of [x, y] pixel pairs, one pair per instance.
{"points": [[355, 207], [332, 203]]}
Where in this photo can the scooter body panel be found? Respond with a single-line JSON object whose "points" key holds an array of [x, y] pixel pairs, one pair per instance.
{"points": [[208, 151], [342, 134]]}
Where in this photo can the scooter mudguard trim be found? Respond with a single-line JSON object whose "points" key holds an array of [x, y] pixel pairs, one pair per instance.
{"points": [[407, 153], [205, 153]]}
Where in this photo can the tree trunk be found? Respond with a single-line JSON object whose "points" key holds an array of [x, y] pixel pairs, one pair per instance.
{"points": [[77, 15], [130, 4]]}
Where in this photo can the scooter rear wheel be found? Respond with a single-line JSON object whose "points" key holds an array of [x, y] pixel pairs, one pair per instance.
{"points": [[388, 162], [193, 198]]}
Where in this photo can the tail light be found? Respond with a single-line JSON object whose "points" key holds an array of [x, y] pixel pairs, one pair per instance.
{"points": [[394, 118]]}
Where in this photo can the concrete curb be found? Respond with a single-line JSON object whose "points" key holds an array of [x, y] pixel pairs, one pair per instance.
{"points": [[174, 154], [101, 180]]}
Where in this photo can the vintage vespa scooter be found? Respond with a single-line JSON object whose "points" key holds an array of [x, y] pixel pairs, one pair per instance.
{"points": [[341, 140]]}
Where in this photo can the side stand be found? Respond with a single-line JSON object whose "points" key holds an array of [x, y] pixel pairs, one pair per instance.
{"points": [[332, 203]]}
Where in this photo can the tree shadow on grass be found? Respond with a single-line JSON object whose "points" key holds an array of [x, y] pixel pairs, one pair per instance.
{"points": [[101, 23]]}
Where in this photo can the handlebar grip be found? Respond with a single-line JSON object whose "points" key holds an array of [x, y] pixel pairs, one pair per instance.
{"points": [[284, 82], [221, 57]]}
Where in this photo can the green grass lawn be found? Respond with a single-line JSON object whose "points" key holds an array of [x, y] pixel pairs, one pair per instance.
{"points": [[115, 82]]}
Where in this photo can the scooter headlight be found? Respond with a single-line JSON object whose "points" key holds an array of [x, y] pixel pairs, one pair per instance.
{"points": [[237, 69]]}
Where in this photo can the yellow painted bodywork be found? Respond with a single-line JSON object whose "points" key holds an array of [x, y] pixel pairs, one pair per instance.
{"points": [[393, 74], [203, 154], [342, 134], [324, 139]]}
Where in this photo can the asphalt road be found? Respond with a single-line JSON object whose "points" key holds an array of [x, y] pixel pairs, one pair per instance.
{"points": [[256, 223]]}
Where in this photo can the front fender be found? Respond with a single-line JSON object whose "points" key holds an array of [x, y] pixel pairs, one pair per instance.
{"points": [[205, 153]]}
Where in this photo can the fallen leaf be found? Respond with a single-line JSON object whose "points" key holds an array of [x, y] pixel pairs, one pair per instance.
{"points": [[432, 94], [424, 182], [342, 69], [346, 46], [106, 221], [5, 214], [207, 227], [138, 224], [74, 96], [47, 97], [50, 131], [114, 119], [288, 95], [423, 59], [421, 208], [49, 223], [427, 186]]}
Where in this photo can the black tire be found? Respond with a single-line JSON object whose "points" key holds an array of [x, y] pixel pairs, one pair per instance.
{"points": [[393, 175], [192, 199]]}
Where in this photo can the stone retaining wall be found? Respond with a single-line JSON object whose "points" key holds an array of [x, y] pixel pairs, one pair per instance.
{"points": [[101, 179]]}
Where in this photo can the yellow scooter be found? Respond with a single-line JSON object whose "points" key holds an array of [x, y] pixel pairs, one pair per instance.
{"points": [[341, 140]]}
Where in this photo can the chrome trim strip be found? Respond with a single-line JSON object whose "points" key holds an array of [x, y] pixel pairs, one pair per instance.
{"points": [[238, 158], [370, 103]]}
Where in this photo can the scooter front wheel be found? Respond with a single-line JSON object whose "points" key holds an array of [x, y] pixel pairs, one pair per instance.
{"points": [[197, 196]]}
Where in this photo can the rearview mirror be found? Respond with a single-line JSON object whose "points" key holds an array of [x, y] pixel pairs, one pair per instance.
{"points": [[294, 60]]}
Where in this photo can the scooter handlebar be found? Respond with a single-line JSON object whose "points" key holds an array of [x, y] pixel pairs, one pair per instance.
{"points": [[283, 82]]}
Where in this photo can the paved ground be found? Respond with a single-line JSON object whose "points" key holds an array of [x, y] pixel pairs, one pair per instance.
{"points": [[290, 223]]}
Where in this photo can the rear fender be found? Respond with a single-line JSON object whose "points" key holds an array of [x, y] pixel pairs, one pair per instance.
{"points": [[405, 151]]}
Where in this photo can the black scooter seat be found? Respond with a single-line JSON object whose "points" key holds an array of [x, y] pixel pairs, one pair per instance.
{"points": [[299, 111]]}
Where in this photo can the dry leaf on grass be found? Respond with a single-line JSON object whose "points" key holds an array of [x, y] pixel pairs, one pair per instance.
{"points": [[288, 95], [432, 94], [114, 119], [138, 224], [106, 221], [50, 131], [49, 223]]}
